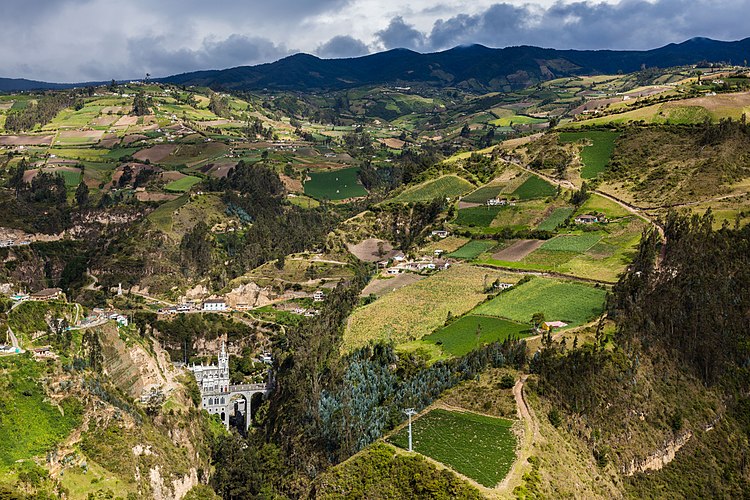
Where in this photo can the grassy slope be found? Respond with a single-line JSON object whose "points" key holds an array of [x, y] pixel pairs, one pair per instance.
{"points": [[449, 186], [595, 156], [460, 337], [335, 185], [31, 425]]}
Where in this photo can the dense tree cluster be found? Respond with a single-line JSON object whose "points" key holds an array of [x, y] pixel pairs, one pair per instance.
{"points": [[40, 112]]}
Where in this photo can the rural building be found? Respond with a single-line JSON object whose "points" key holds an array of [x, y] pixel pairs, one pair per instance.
{"points": [[393, 270], [214, 305], [586, 219], [319, 296], [502, 286], [549, 325], [47, 294], [440, 233], [497, 202], [399, 257], [43, 352]]}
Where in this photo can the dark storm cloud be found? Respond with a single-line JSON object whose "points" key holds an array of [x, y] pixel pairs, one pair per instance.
{"points": [[629, 24], [399, 34], [78, 40], [342, 46], [150, 54]]}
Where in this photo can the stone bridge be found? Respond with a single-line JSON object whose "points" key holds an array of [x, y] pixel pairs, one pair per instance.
{"points": [[238, 398]]}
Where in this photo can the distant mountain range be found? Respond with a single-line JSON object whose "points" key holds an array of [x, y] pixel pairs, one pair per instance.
{"points": [[471, 67]]}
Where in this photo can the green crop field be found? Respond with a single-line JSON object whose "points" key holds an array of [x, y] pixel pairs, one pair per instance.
{"points": [[72, 179], [448, 186], [483, 194], [573, 303], [557, 217], [470, 331], [477, 216], [31, 425], [480, 447], [534, 187], [472, 249], [335, 185], [572, 242], [182, 185], [596, 155]]}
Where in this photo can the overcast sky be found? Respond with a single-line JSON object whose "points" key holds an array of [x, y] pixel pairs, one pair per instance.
{"points": [[83, 40]]}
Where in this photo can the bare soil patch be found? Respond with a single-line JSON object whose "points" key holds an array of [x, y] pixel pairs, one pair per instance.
{"points": [[381, 286], [518, 250], [172, 175], [93, 135], [367, 250], [104, 121], [145, 196], [393, 143], [468, 204], [130, 139], [715, 103], [155, 154], [26, 140], [109, 141], [126, 121], [291, 184], [115, 110]]}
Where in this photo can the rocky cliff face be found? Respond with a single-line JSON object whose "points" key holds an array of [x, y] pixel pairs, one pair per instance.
{"points": [[658, 459]]}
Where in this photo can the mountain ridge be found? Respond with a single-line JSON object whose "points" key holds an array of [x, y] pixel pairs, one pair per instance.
{"points": [[466, 66]]}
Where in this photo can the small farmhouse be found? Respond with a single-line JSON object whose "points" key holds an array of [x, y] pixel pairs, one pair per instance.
{"points": [[586, 219], [319, 296]]}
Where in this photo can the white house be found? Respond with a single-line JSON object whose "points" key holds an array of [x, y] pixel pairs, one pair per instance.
{"points": [[319, 296], [440, 233], [214, 305], [586, 219]]}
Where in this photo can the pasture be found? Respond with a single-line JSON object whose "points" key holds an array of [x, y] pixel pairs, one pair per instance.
{"points": [[447, 186], [335, 185], [471, 331], [472, 249], [182, 185], [477, 446], [573, 303], [595, 156], [534, 187]]}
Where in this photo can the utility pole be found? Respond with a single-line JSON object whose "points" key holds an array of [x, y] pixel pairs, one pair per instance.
{"points": [[410, 412]]}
